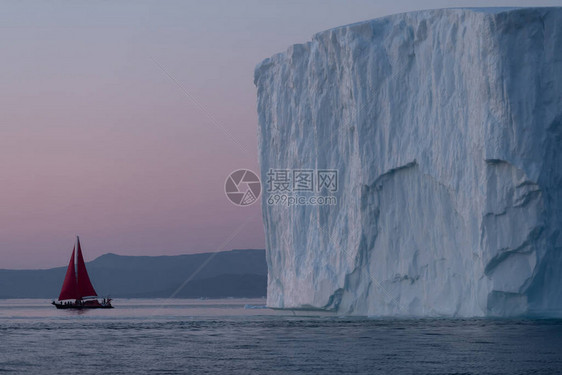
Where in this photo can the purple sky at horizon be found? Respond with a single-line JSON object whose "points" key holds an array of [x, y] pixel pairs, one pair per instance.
{"points": [[97, 140]]}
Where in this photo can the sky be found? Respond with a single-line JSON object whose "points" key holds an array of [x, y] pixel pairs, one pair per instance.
{"points": [[121, 120]]}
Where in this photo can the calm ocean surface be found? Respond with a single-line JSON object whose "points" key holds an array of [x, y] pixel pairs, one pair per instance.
{"points": [[227, 337]]}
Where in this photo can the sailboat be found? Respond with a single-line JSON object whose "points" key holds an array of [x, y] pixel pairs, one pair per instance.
{"points": [[77, 291]]}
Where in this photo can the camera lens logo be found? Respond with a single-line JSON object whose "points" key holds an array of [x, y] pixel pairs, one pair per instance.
{"points": [[242, 187]]}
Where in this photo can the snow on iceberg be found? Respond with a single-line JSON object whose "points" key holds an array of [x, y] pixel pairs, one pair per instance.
{"points": [[445, 127]]}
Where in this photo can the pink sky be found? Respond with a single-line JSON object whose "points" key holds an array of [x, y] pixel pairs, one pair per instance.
{"points": [[96, 140]]}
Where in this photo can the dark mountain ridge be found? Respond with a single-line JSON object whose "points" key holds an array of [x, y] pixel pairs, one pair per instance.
{"points": [[235, 273]]}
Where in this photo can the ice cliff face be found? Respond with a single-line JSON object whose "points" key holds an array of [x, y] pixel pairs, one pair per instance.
{"points": [[446, 129]]}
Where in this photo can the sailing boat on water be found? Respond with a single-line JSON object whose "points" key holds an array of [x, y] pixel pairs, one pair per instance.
{"points": [[77, 291]]}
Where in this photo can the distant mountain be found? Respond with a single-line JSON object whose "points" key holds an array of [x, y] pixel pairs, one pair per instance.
{"points": [[236, 273]]}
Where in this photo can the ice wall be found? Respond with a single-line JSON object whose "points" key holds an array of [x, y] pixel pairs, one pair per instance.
{"points": [[446, 129]]}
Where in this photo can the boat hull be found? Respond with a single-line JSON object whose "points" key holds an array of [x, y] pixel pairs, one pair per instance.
{"points": [[82, 306]]}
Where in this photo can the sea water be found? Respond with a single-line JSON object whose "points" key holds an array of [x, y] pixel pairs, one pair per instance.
{"points": [[233, 336]]}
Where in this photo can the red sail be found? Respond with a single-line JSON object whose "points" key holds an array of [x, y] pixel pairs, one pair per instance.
{"points": [[85, 287], [69, 287]]}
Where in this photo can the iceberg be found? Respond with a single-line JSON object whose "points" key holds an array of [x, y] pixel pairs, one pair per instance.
{"points": [[445, 129]]}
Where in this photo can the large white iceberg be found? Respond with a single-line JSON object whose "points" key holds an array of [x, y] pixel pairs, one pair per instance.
{"points": [[445, 127]]}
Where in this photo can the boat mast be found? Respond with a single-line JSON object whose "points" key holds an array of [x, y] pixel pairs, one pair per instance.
{"points": [[85, 287]]}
